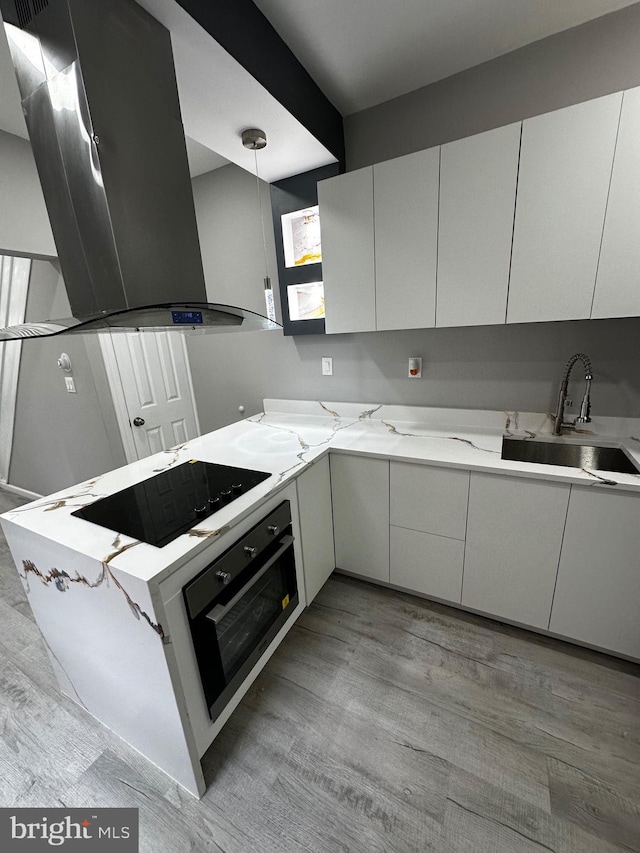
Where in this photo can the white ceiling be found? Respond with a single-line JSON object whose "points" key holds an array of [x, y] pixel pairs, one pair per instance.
{"points": [[218, 100], [202, 159], [360, 53], [364, 52]]}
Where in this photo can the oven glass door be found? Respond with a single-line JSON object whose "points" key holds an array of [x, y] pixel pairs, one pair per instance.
{"points": [[232, 636], [242, 623]]}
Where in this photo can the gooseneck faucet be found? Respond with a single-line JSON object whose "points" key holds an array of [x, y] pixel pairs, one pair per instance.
{"points": [[585, 406]]}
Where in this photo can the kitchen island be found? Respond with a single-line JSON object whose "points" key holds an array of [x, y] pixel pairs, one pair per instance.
{"points": [[111, 609]]}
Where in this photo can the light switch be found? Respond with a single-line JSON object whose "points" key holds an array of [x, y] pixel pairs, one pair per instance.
{"points": [[71, 385], [327, 366]]}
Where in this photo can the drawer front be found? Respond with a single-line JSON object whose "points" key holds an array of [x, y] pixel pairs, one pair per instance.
{"points": [[432, 500]]}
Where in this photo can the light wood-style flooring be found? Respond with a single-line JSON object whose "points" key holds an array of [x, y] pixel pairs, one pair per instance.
{"points": [[383, 723]]}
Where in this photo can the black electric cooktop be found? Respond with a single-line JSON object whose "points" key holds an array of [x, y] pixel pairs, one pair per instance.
{"points": [[160, 509]]}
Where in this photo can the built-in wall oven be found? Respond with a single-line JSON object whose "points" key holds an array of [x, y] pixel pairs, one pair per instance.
{"points": [[238, 603]]}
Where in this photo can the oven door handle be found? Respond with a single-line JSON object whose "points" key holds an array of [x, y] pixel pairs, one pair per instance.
{"points": [[220, 610]]}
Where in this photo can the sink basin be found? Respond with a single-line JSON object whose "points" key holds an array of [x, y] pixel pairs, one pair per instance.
{"points": [[592, 456]]}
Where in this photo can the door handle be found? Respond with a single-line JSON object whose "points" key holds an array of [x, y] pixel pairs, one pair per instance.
{"points": [[221, 610], [138, 421]]}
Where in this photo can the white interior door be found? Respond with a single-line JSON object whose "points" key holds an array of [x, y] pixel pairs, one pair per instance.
{"points": [[151, 386]]}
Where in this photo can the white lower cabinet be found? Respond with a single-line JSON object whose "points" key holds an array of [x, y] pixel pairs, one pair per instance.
{"points": [[597, 598], [434, 500], [360, 495], [423, 562], [316, 527], [428, 513], [514, 535], [548, 555]]}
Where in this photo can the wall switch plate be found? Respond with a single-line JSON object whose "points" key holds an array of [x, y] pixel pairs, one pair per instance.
{"points": [[327, 366], [415, 368], [70, 384]]}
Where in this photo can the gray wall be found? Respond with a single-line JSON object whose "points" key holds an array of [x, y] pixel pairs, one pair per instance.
{"points": [[24, 224], [229, 225], [515, 367], [498, 367], [60, 438], [576, 65]]}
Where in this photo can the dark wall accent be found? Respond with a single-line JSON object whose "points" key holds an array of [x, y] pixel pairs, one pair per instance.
{"points": [[288, 195], [242, 30]]}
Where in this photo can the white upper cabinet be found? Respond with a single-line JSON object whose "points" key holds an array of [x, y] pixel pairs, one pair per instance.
{"points": [[531, 222], [617, 291], [405, 193], [478, 177], [565, 168], [346, 221]]}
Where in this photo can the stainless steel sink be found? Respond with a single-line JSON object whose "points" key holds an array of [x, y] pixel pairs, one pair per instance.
{"points": [[592, 456]]}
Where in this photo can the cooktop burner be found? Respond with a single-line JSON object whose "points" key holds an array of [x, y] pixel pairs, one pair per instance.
{"points": [[160, 509]]}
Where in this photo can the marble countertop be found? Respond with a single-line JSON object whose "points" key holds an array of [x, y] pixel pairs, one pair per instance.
{"points": [[288, 436]]}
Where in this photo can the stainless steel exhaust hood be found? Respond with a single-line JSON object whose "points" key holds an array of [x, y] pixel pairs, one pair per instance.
{"points": [[100, 99]]}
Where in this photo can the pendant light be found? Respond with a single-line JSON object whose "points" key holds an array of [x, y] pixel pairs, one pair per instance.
{"points": [[255, 139]]}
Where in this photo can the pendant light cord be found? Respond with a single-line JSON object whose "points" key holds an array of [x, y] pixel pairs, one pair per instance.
{"points": [[267, 280]]}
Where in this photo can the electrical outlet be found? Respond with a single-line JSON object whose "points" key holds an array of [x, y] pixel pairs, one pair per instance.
{"points": [[415, 368], [327, 366]]}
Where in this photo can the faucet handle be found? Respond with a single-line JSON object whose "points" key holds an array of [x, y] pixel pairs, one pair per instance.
{"points": [[585, 412]]}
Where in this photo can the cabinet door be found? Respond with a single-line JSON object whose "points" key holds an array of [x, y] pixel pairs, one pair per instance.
{"points": [[425, 563], [433, 500], [346, 222], [617, 285], [405, 192], [477, 204], [360, 493], [597, 598], [316, 526], [565, 168], [514, 534]]}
